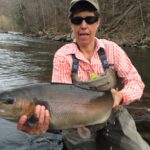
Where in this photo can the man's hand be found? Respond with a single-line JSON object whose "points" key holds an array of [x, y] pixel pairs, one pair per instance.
{"points": [[117, 96], [43, 121]]}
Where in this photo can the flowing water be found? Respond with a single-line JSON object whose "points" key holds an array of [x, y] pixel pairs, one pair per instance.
{"points": [[25, 60]]}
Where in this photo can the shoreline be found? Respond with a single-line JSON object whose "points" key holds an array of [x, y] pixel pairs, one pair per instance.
{"points": [[64, 37]]}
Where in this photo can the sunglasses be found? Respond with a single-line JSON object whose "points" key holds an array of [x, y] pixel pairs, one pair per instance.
{"points": [[88, 20]]}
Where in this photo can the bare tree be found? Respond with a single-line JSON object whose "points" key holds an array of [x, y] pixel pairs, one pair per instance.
{"points": [[141, 12], [43, 17]]}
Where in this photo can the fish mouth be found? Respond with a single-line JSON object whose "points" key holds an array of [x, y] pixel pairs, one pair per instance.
{"points": [[8, 115], [2, 110], [12, 109]]}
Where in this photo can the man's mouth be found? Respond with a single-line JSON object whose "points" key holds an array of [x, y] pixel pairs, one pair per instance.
{"points": [[83, 34]]}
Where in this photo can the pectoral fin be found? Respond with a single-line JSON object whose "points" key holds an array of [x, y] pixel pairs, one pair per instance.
{"points": [[84, 132]]}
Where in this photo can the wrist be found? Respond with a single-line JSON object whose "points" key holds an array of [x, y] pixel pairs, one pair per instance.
{"points": [[124, 100]]}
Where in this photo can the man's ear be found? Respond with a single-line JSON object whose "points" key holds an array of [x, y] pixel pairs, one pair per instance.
{"points": [[70, 24], [99, 23]]}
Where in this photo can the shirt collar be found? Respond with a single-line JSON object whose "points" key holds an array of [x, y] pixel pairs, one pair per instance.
{"points": [[75, 50]]}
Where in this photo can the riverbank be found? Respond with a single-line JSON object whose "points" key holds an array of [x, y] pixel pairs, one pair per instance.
{"points": [[124, 22], [123, 39]]}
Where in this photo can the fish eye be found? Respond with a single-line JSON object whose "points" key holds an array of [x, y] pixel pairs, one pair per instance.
{"points": [[9, 101]]}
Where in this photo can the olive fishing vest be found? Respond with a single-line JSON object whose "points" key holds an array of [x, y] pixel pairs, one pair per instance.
{"points": [[101, 83]]}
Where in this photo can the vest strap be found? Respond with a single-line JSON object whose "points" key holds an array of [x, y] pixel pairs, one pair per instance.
{"points": [[103, 58], [75, 64]]}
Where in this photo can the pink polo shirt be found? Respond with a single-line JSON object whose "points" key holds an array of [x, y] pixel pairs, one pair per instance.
{"points": [[62, 65]]}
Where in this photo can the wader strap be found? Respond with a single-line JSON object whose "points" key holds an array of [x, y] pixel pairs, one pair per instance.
{"points": [[103, 58], [75, 64]]}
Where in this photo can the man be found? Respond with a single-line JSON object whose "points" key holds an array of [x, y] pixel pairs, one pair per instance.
{"points": [[88, 58], [84, 22]]}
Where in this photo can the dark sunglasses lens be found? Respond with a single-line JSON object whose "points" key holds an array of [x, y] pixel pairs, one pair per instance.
{"points": [[88, 19], [91, 19], [76, 20]]}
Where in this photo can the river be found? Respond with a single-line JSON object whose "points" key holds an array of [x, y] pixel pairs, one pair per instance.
{"points": [[25, 60]]}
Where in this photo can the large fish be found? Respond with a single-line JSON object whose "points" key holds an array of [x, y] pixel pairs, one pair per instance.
{"points": [[70, 106]]}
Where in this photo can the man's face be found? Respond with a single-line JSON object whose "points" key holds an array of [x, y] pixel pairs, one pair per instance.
{"points": [[84, 31]]}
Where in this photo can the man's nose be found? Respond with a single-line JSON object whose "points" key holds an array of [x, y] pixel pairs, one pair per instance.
{"points": [[83, 24]]}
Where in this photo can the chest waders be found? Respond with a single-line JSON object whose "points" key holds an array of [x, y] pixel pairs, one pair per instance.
{"points": [[119, 133], [101, 83]]}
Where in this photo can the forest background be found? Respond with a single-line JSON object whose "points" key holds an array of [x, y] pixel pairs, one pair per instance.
{"points": [[123, 21]]}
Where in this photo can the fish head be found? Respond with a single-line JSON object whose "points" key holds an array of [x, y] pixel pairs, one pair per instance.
{"points": [[12, 109]]}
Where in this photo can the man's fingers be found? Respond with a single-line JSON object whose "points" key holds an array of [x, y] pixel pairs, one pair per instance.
{"points": [[21, 122], [38, 111], [41, 126], [115, 105], [44, 120], [47, 119], [42, 115], [117, 96]]}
